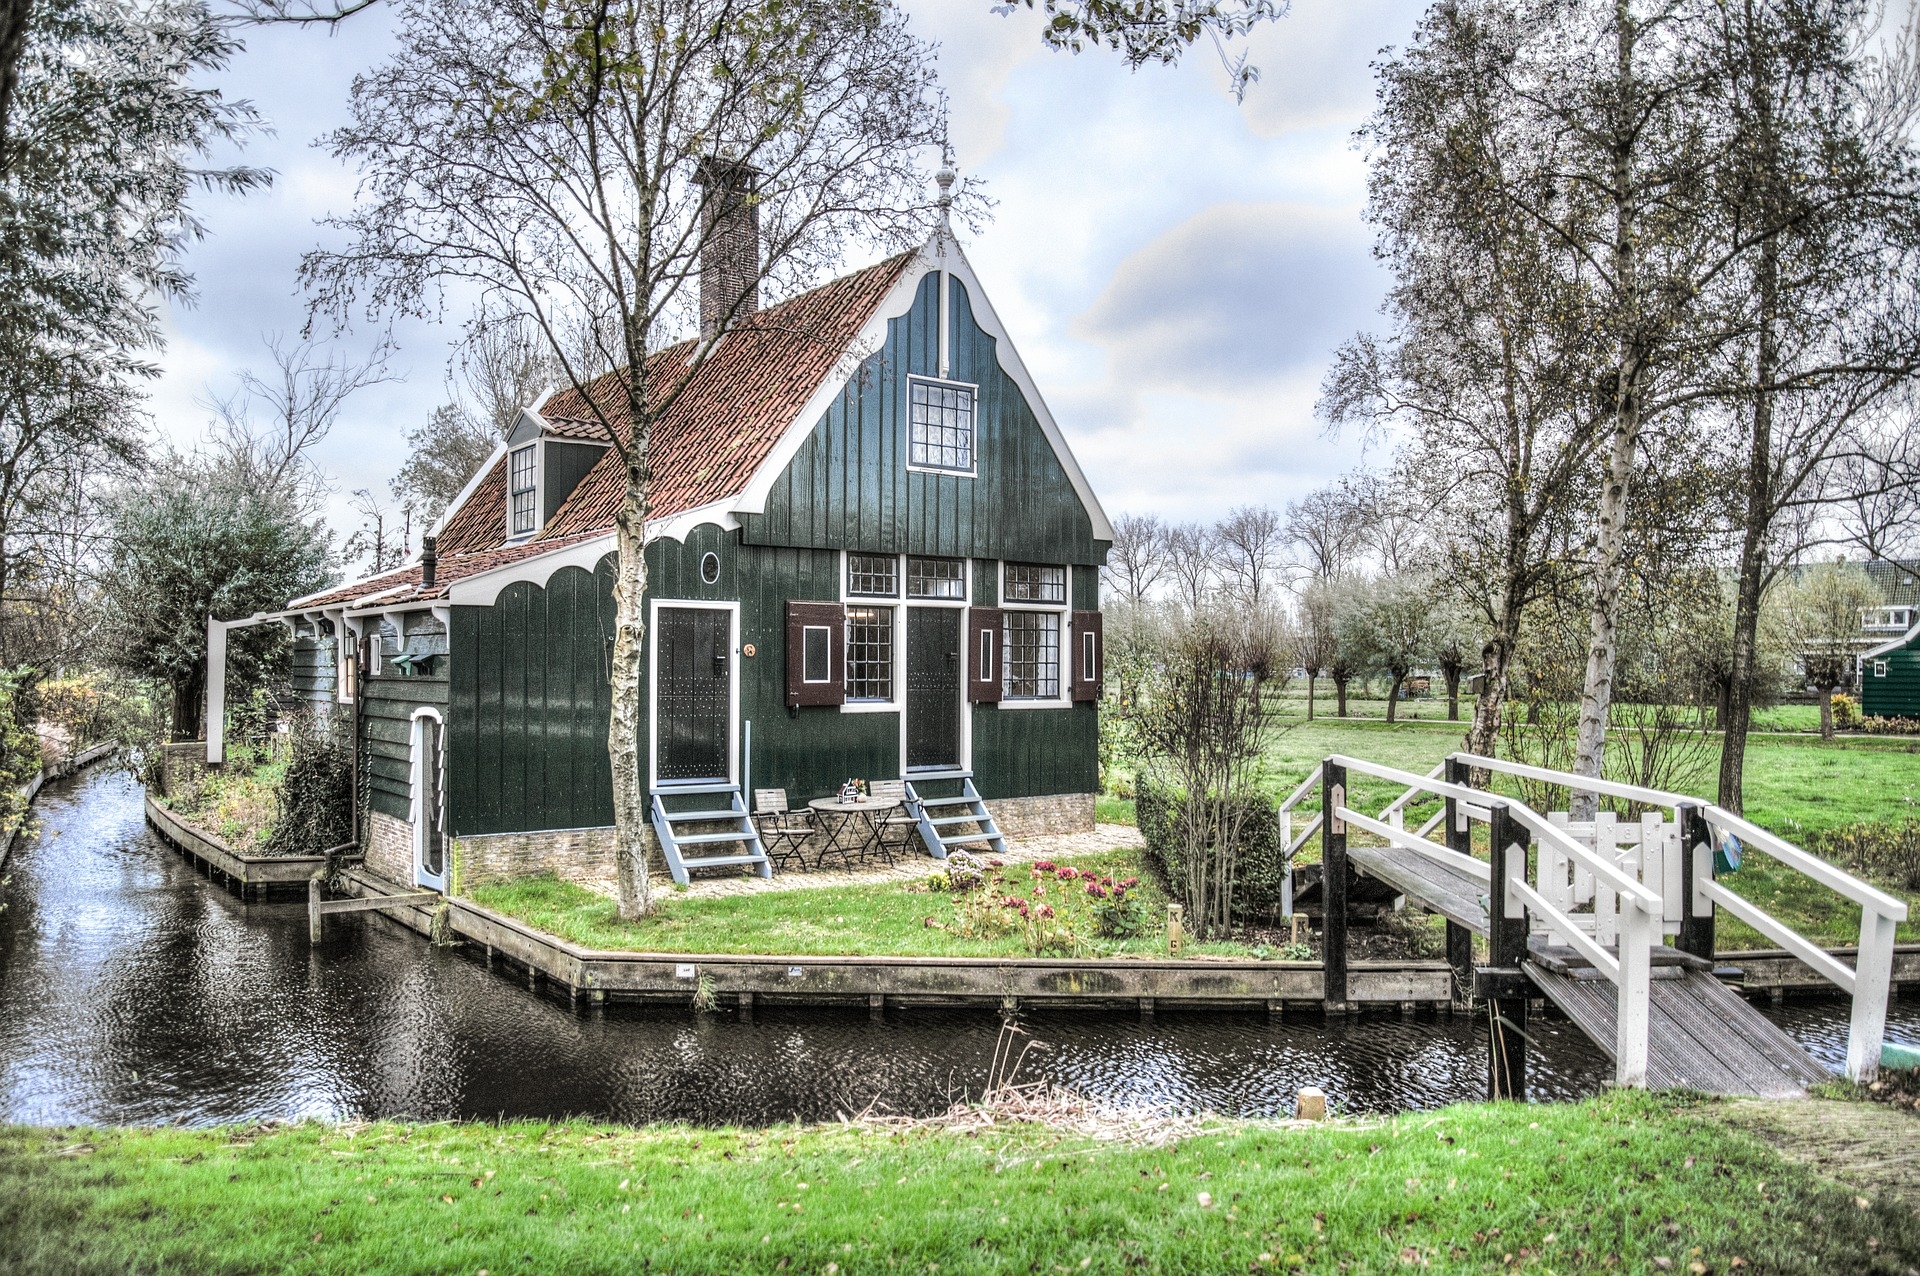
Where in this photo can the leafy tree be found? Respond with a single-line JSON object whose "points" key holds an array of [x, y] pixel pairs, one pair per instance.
{"points": [[196, 536], [1388, 627], [105, 125], [1820, 609]]}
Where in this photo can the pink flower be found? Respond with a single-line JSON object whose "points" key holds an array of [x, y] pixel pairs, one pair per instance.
{"points": [[1131, 882], [1043, 866], [1046, 911], [1096, 890], [1067, 874], [995, 863]]}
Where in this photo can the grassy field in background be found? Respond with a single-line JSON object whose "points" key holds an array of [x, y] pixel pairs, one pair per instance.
{"points": [[1615, 1184], [886, 918]]}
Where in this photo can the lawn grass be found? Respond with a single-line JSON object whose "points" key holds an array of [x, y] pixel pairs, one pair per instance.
{"points": [[1614, 1184], [883, 919], [237, 803]]}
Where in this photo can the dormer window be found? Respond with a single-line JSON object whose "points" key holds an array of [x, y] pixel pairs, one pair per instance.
{"points": [[940, 426], [523, 493]]}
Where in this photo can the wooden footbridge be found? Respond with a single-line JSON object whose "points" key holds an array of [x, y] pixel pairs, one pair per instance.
{"points": [[1582, 912]]}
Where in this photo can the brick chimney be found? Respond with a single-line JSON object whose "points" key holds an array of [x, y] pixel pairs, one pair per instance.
{"points": [[730, 242], [429, 561]]}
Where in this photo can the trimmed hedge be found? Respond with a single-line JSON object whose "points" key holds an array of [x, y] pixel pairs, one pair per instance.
{"points": [[1263, 865]]}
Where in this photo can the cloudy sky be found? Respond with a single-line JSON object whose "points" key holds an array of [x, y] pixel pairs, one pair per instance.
{"points": [[1174, 267]]}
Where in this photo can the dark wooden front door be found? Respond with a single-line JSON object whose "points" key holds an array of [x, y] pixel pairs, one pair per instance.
{"points": [[933, 687], [695, 646]]}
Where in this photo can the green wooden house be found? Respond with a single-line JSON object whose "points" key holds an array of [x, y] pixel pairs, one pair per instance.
{"points": [[872, 555], [1890, 678]]}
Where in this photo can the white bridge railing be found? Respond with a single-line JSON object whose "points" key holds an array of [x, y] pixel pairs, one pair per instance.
{"points": [[1659, 850]]}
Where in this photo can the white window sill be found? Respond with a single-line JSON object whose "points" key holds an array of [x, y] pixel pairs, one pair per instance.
{"points": [[1009, 702], [869, 706]]}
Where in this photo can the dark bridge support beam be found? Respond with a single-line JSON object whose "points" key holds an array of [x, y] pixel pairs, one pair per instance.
{"points": [[1333, 888], [1509, 842], [1696, 923]]}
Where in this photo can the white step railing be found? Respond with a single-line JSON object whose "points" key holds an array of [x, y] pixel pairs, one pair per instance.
{"points": [[1868, 980]]}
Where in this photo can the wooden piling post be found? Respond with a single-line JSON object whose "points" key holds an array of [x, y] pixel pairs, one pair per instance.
{"points": [[877, 1007], [1459, 838], [1146, 1010], [1696, 864], [746, 1007], [313, 909], [1509, 841], [1333, 888]]}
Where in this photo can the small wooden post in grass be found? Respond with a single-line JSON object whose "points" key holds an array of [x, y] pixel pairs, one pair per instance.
{"points": [[1508, 841], [1176, 933], [1459, 838], [1333, 888], [1696, 864]]}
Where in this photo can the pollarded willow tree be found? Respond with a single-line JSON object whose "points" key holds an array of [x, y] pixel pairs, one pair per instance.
{"points": [[575, 161]]}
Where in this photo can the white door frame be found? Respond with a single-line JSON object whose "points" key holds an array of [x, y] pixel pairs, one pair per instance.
{"points": [[416, 772], [653, 685]]}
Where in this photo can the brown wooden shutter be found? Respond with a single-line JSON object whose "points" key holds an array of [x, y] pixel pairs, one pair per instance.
{"points": [[1089, 655], [816, 662], [983, 654]]}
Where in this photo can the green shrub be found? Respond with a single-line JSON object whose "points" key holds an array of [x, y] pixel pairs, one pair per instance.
{"points": [[1886, 852], [1846, 711], [19, 746], [1262, 859], [316, 795]]}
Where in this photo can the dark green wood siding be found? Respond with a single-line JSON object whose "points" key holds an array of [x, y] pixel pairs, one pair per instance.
{"points": [[312, 673], [566, 465], [386, 732], [849, 487], [1034, 752], [1897, 693], [528, 737]]}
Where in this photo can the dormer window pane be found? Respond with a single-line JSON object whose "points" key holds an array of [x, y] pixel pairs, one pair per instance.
{"points": [[940, 426], [936, 578], [521, 492]]}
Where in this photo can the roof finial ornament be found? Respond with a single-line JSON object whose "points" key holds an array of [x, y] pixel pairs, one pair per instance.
{"points": [[944, 179]]}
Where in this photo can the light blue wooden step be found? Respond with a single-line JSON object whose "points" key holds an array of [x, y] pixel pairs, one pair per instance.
{"points": [[671, 842], [977, 814]]}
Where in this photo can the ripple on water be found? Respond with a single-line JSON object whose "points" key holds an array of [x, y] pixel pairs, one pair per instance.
{"points": [[132, 989]]}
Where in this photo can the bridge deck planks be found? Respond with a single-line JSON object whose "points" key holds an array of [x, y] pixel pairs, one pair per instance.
{"points": [[1702, 1035], [1458, 897]]}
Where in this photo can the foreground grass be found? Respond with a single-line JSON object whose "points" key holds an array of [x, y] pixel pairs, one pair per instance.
{"points": [[881, 919], [1614, 1184]]}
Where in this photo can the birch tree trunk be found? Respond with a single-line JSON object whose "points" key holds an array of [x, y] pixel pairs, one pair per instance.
{"points": [[623, 720], [1610, 533]]}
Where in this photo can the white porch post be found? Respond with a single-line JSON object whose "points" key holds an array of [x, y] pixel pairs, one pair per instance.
{"points": [[216, 690], [1872, 980]]}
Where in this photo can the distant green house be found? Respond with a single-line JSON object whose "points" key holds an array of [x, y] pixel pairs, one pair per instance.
{"points": [[1890, 678]]}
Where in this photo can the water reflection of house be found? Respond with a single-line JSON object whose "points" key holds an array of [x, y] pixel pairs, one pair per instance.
{"points": [[871, 555]]}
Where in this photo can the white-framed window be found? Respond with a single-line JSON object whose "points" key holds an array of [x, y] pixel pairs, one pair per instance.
{"points": [[873, 575], [1033, 656], [346, 665], [941, 421], [1879, 668], [870, 649], [523, 490], [944, 578]]}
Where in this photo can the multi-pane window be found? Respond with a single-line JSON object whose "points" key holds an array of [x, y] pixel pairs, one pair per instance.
{"points": [[940, 426], [1034, 583], [521, 493], [1032, 659], [937, 578], [869, 653], [873, 576]]}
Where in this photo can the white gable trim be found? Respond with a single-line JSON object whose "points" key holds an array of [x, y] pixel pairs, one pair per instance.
{"points": [[938, 252], [1898, 643], [482, 589]]}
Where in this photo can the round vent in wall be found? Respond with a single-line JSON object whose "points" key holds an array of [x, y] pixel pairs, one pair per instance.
{"points": [[710, 568]]}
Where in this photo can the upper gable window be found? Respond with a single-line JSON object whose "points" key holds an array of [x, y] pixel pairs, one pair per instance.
{"points": [[937, 578], [940, 426], [873, 575], [522, 492]]}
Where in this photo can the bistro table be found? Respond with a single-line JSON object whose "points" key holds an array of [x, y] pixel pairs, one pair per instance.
{"points": [[854, 827]]}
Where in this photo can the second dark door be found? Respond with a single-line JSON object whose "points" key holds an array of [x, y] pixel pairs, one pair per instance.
{"points": [[933, 687], [694, 645]]}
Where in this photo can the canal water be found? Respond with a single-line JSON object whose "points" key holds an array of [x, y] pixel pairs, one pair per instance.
{"points": [[134, 990]]}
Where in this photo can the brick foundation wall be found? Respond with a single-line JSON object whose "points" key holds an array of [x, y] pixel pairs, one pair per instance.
{"points": [[1043, 816], [390, 848]]}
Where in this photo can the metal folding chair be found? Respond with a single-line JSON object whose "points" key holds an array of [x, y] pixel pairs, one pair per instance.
{"points": [[897, 830], [782, 831]]}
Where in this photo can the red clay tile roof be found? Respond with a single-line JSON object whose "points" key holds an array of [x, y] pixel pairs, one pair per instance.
{"points": [[480, 522], [402, 585], [707, 446], [735, 407]]}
